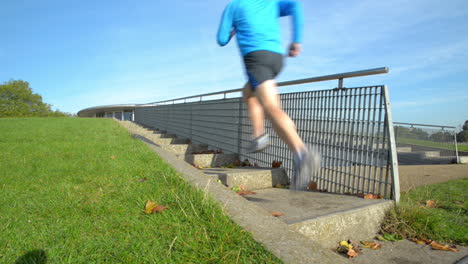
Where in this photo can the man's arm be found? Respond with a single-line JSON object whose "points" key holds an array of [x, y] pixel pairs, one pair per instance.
{"points": [[226, 30], [294, 9]]}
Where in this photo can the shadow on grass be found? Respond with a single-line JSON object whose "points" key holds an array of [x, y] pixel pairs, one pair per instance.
{"points": [[37, 256]]}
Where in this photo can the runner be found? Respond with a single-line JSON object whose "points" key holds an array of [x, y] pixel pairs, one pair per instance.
{"points": [[256, 26]]}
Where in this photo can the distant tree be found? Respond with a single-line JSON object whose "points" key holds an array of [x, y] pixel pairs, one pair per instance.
{"points": [[442, 136], [418, 133], [462, 136], [18, 100]]}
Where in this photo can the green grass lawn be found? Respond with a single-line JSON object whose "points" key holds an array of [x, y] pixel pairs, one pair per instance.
{"points": [[432, 144], [447, 222], [70, 193]]}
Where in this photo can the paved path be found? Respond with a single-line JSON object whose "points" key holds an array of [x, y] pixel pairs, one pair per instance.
{"points": [[407, 252]]}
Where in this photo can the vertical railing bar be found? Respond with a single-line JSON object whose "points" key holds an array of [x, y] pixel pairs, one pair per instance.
{"points": [[300, 125], [368, 138], [292, 106], [289, 104], [392, 147], [326, 138], [456, 147], [239, 129], [343, 138], [330, 141], [372, 170], [361, 136], [334, 136], [313, 127], [300, 115], [340, 141], [381, 143], [346, 140], [354, 129], [368, 147], [387, 142], [297, 114], [321, 183]]}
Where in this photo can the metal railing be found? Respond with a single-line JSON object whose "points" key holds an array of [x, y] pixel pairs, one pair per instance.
{"points": [[339, 76], [352, 127], [426, 144]]}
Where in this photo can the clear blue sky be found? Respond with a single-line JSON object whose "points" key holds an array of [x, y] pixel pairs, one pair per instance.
{"points": [[79, 54]]}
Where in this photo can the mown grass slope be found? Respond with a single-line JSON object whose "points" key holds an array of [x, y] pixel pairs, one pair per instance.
{"points": [[71, 191]]}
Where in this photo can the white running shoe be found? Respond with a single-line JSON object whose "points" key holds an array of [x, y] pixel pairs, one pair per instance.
{"points": [[306, 165], [259, 144]]}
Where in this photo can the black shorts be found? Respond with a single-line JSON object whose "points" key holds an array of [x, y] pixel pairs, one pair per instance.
{"points": [[262, 65]]}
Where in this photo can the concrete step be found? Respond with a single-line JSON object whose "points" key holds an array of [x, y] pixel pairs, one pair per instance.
{"points": [[250, 177], [421, 154], [185, 149], [430, 154], [424, 158], [158, 133], [166, 141], [404, 149], [425, 161], [463, 160], [161, 135], [323, 217], [210, 160]]}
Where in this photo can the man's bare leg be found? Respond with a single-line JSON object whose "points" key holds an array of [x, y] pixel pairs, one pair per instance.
{"points": [[255, 110], [267, 95]]}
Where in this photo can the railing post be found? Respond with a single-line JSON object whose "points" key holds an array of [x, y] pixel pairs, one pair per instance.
{"points": [[392, 147], [239, 130], [456, 146]]}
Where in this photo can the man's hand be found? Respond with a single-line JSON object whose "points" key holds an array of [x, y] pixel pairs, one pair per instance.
{"points": [[294, 49]]}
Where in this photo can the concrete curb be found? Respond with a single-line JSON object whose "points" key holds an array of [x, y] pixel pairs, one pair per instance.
{"points": [[275, 235]]}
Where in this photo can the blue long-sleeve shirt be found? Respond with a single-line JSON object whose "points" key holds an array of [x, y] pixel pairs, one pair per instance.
{"points": [[256, 24]]}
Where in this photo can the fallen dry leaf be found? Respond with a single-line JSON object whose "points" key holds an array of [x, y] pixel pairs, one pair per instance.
{"points": [[149, 207], [421, 241], [430, 203], [277, 214], [142, 179], [352, 253], [152, 207], [312, 186], [276, 164], [342, 249], [112, 157], [347, 247], [418, 241], [426, 240], [371, 244], [355, 246], [245, 192], [372, 196], [438, 246], [159, 208], [345, 244]]}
